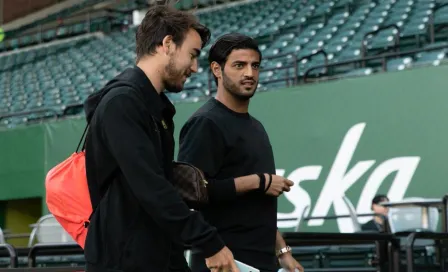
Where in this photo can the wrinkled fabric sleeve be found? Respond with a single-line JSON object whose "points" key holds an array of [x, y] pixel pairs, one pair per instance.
{"points": [[127, 133], [202, 144]]}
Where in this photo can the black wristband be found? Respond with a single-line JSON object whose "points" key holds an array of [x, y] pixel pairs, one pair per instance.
{"points": [[262, 182], [269, 184]]}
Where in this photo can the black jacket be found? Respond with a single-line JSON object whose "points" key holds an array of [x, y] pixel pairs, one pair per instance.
{"points": [[372, 226], [140, 222]]}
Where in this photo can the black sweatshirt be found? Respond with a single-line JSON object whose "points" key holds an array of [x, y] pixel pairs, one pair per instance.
{"points": [[141, 223], [226, 145]]}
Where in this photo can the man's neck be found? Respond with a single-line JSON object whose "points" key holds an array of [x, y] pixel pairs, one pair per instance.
{"points": [[232, 102], [154, 74], [379, 220]]}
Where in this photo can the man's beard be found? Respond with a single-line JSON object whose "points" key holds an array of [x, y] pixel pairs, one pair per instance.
{"points": [[234, 89], [173, 77]]}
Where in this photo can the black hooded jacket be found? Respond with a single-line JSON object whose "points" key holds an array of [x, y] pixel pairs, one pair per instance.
{"points": [[140, 222]]}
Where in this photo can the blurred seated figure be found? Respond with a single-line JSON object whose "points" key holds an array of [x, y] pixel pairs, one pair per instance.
{"points": [[377, 223]]}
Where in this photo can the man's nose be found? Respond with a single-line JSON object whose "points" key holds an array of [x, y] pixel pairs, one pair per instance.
{"points": [[194, 66], [249, 72]]}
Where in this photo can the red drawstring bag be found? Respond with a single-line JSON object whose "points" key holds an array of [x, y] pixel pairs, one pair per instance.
{"points": [[67, 192], [68, 197]]}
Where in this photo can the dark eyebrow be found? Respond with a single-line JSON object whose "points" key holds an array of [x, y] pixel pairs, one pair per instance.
{"points": [[245, 62]]}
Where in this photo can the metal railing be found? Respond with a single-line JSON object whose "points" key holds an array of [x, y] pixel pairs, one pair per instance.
{"points": [[13, 260], [381, 263], [409, 245], [53, 113], [52, 249], [329, 217], [431, 21]]}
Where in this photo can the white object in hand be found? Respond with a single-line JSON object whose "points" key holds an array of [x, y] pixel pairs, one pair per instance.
{"points": [[245, 268]]}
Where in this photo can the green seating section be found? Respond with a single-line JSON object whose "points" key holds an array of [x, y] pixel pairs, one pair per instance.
{"points": [[98, 24], [62, 14], [55, 77]]}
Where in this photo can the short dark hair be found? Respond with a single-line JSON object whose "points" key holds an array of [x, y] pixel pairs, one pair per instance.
{"points": [[224, 45], [163, 20], [379, 198]]}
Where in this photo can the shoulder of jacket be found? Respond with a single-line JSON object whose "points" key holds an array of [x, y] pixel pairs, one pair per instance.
{"points": [[120, 92], [122, 96]]}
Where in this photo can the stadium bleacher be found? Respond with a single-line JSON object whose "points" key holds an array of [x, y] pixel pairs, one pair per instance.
{"points": [[52, 80], [287, 30]]}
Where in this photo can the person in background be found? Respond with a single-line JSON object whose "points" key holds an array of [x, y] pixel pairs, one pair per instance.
{"points": [[233, 150], [140, 223], [377, 223]]}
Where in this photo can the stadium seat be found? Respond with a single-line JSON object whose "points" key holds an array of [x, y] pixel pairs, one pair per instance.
{"points": [[348, 256], [55, 76], [310, 257], [441, 16], [359, 72], [2, 237], [410, 218], [399, 64], [48, 230], [431, 57]]}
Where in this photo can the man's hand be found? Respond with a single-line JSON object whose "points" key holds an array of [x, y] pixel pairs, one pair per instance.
{"points": [[278, 186], [289, 264], [222, 261]]}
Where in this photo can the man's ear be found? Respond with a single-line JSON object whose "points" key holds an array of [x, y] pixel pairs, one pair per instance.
{"points": [[167, 44], [216, 69]]}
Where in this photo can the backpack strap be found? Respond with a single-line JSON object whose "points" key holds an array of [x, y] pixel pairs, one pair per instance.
{"points": [[82, 139]]}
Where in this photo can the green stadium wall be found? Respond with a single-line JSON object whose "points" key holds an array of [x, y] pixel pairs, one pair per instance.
{"points": [[378, 134]]}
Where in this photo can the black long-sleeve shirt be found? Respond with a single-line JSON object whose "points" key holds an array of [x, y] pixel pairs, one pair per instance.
{"points": [[140, 223], [226, 145]]}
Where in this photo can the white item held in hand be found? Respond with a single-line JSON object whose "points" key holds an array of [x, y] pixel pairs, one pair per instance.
{"points": [[245, 268]]}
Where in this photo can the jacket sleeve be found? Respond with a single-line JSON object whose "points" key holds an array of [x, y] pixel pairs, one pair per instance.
{"points": [[201, 144], [127, 134]]}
